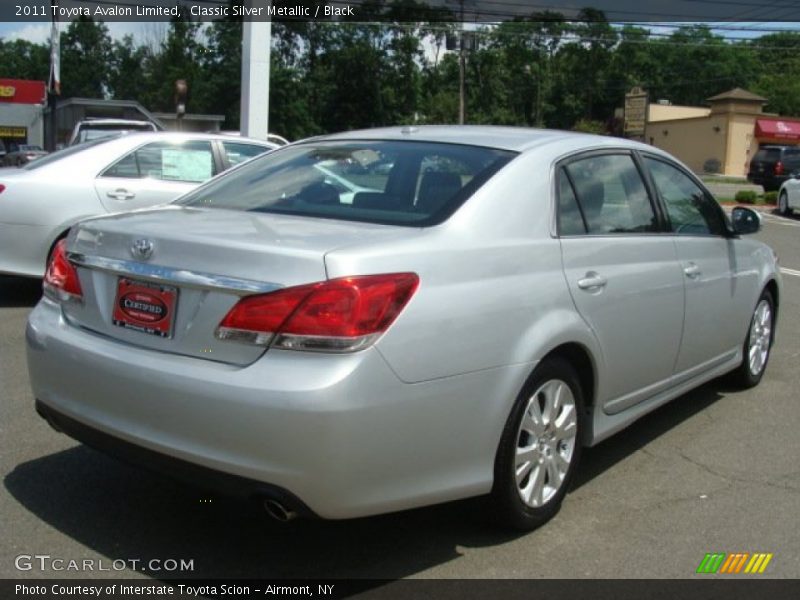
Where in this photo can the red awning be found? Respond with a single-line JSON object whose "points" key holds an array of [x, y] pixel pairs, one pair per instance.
{"points": [[777, 129]]}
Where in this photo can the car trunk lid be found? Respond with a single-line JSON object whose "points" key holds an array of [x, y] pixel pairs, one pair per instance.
{"points": [[165, 278]]}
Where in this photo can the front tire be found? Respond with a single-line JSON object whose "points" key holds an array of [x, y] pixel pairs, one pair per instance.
{"points": [[540, 447], [783, 205], [757, 344]]}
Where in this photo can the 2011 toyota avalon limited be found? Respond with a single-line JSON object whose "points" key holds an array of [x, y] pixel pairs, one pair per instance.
{"points": [[489, 304]]}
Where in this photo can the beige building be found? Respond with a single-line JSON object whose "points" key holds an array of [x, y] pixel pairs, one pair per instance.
{"points": [[726, 134]]}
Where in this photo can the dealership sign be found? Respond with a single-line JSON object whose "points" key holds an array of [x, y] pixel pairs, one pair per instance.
{"points": [[22, 91]]}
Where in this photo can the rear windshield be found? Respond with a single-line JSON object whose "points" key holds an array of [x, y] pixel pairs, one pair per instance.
{"points": [[768, 154], [391, 182], [58, 155]]}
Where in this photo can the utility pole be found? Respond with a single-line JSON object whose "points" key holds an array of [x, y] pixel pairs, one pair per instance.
{"points": [[461, 69], [54, 82], [462, 66]]}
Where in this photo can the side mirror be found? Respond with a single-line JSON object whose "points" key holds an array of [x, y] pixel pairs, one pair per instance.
{"points": [[745, 220]]}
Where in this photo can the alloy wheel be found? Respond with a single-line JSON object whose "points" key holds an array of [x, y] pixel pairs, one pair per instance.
{"points": [[760, 337], [545, 443]]}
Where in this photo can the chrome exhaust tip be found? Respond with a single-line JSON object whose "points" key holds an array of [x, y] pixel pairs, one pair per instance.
{"points": [[278, 511]]}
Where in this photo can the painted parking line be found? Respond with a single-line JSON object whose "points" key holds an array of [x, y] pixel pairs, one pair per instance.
{"points": [[780, 220], [786, 271]]}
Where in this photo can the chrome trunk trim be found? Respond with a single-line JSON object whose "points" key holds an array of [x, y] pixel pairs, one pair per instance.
{"points": [[181, 277]]}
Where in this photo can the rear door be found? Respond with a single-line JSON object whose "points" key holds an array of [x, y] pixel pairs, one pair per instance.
{"points": [[155, 173], [622, 273]]}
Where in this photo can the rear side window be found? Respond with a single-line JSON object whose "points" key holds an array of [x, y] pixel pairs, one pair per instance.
{"points": [[237, 153], [570, 220], [189, 162], [690, 210], [378, 181], [612, 196]]}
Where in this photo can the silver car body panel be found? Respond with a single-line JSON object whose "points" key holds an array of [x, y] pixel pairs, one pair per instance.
{"points": [[382, 429]]}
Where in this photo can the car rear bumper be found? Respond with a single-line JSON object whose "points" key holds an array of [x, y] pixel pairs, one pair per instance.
{"points": [[340, 433]]}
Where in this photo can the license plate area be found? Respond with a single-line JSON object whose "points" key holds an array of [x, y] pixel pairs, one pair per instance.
{"points": [[145, 307]]}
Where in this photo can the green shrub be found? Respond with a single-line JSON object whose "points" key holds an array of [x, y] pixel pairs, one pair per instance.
{"points": [[771, 198], [746, 197], [590, 126]]}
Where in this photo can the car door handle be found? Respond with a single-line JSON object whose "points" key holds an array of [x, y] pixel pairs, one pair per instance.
{"points": [[692, 271], [121, 194], [592, 281]]}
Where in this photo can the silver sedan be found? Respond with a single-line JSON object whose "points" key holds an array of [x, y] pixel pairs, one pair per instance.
{"points": [[493, 302], [42, 200]]}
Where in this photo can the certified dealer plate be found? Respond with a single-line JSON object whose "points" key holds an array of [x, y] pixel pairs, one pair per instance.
{"points": [[145, 307]]}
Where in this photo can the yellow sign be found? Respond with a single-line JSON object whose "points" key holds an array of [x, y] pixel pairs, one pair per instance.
{"points": [[13, 132], [7, 91]]}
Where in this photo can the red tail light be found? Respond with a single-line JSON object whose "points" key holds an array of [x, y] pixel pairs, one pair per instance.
{"points": [[61, 279], [339, 315], [2, 188], [779, 168]]}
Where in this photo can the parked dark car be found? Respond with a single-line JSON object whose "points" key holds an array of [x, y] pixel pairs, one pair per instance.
{"points": [[22, 154], [772, 165]]}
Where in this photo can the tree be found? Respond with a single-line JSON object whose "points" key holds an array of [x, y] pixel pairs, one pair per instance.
{"points": [[22, 59], [129, 76], [85, 68]]}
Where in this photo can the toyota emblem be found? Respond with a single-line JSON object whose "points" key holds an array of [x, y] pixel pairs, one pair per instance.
{"points": [[142, 249]]}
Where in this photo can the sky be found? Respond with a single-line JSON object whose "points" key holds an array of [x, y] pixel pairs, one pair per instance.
{"points": [[40, 32]]}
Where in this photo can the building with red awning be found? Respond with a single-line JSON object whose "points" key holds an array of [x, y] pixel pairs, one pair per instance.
{"points": [[722, 137]]}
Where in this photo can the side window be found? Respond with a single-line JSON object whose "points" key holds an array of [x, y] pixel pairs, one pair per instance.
{"points": [[570, 221], [126, 167], [237, 153], [690, 210], [612, 195], [190, 162]]}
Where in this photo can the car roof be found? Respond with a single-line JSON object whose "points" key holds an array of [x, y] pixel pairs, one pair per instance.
{"points": [[517, 139], [102, 121], [135, 138]]}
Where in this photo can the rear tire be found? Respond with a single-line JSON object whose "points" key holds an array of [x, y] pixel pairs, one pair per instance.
{"points": [[540, 447], [757, 344]]}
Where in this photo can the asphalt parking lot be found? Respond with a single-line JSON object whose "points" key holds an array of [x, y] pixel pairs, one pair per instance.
{"points": [[714, 471]]}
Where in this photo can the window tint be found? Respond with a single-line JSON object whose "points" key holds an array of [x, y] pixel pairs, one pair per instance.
{"points": [[378, 181], [190, 161], [570, 221], [238, 153], [690, 210], [612, 195]]}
